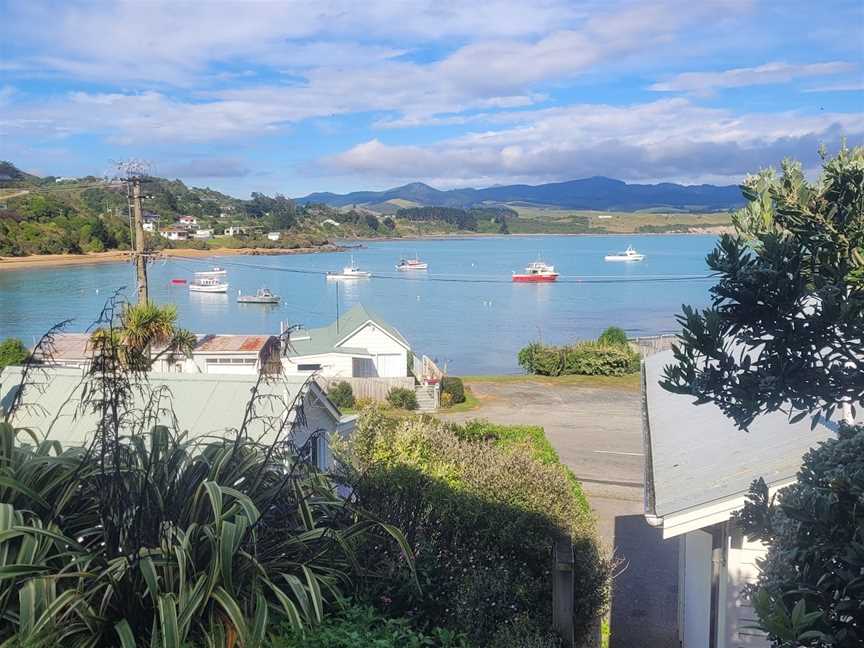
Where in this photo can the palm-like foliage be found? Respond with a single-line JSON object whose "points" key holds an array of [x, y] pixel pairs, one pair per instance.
{"points": [[217, 537], [154, 539]]}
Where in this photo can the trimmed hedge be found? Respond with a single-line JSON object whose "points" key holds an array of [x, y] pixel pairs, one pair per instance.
{"points": [[359, 626], [479, 507], [453, 386], [342, 394], [402, 398], [583, 358]]}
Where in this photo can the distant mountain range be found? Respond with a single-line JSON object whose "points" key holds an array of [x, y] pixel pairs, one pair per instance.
{"points": [[596, 193]]}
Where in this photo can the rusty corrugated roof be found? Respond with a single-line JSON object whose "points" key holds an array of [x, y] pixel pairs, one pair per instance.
{"points": [[232, 343]]}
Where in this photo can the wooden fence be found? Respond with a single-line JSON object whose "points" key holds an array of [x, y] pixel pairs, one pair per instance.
{"points": [[651, 344], [369, 388]]}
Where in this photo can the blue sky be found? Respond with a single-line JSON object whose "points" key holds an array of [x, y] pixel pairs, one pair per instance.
{"points": [[295, 97]]}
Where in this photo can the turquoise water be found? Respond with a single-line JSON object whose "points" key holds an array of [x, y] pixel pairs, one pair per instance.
{"points": [[472, 327]]}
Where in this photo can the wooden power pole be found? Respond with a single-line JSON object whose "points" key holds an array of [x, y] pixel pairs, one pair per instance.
{"points": [[138, 228]]}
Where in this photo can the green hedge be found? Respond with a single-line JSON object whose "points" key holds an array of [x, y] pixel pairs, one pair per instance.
{"points": [[531, 435], [479, 505], [583, 358], [362, 626], [402, 398], [453, 386]]}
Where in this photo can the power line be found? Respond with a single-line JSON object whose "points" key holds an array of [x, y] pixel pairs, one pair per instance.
{"points": [[574, 279]]}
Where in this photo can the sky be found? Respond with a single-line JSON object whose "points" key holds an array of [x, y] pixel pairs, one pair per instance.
{"points": [[296, 97]]}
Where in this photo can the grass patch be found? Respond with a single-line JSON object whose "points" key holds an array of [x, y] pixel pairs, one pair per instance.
{"points": [[630, 382]]}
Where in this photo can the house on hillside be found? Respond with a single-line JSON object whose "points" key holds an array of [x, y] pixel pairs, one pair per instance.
{"points": [[360, 344], [202, 234], [202, 405], [188, 221], [175, 233], [150, 226], [698, 470], [273, 236]]}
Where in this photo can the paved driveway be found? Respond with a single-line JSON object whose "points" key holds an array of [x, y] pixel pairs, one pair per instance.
{"points": [[598, 433]]}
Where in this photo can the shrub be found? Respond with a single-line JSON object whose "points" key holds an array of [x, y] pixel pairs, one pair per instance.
{"points": [[453, 386], [810, 591], [341, 394], [362, 626], [12, 352], [480, 517], [584, 358], [402, 398], [613, 336]]}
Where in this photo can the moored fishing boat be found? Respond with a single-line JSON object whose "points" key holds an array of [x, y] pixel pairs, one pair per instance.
{"points": [[261, 296], [536, 272], [350, 272], [412, 264], [209, 282], [629, 254]]}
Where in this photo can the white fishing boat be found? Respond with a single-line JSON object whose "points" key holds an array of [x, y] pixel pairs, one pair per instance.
{"points": [[350, 272], [209, 282], [627, 255], [261, 296], [412, 264]]}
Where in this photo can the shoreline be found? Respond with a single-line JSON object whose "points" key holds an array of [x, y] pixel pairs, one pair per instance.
{"points": [[118, 256], [712, 231]]}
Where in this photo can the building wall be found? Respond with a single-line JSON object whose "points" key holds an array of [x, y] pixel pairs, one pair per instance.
{"points": [[333, 365], [694, 606], [738, 569], [236, 364], [390, 357], [741, 570]]}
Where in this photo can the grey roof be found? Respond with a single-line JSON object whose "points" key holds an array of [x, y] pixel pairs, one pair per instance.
{"points": [[203, 404], [695, 455], [325, 339]]}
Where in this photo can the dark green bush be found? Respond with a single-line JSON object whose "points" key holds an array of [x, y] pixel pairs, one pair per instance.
{"points": [[402, 398], [613, 335], [584, 358], [341, 394], [12, 352], [361, 627], [480, 517], [453, 386], [815, 530]]}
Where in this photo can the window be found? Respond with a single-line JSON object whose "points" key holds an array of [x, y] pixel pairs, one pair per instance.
{"points": [[308, 367]]}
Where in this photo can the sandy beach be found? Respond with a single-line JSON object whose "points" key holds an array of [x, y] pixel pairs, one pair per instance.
{"points": [[116, 256]]}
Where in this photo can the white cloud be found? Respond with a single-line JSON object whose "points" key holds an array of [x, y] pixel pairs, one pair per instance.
{"points": [[839, 86], [770, 73], [663, 140]]}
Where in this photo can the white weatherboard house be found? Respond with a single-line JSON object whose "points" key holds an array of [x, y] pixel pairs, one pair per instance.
{"points": [[698, 470], [203, 405], [360, 344]]}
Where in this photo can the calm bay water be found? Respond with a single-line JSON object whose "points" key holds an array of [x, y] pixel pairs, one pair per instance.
{"points": [[473, 327]]}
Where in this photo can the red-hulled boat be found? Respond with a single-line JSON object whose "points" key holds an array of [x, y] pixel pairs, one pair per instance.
{"points": [[536, 272]]}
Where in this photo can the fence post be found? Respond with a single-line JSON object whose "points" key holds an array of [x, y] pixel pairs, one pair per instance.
{"points": [[562, 589]]}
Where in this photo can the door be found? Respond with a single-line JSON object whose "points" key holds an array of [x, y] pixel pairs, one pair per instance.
{"points": [[695, 592], [390, 365]]}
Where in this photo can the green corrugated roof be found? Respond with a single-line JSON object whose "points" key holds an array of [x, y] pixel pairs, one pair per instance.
{"points": [[324, 340], [204, 404]]}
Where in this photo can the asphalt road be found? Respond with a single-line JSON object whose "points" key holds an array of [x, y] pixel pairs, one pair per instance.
{"points": [[598, 433]]}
